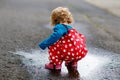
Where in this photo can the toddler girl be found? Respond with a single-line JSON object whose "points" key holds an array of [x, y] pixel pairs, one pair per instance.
{"points": [[65, 43]]}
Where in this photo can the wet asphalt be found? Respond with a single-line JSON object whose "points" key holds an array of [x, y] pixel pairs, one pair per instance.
{"points": [[24, 23]]}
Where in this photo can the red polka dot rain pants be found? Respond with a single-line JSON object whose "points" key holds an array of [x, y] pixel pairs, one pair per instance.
{"points": [[70, 48]]}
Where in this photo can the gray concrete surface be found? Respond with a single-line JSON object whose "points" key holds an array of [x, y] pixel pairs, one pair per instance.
{"points": [[23, 25]]}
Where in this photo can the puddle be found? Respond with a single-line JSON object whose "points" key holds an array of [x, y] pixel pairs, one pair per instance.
{"points": [[34, 61]]}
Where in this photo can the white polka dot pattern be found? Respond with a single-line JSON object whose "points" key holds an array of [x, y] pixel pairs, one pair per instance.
{"points": [[70, 47]]}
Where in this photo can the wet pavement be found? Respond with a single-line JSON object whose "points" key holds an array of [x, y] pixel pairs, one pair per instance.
{"points": [[99, 64], [102, 65], [24, 23]]}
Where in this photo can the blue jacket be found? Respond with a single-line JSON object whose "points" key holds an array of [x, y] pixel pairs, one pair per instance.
{"points": [[59, 31]]}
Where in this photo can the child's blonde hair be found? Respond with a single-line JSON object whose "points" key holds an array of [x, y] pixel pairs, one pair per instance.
{"points": [[61, 15]]}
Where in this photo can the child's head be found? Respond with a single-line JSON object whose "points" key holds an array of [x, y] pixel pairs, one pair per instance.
{"points": [[61, 15]]}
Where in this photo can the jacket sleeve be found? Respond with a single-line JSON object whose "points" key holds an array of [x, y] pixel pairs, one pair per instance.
{"points": [[56, 35]]}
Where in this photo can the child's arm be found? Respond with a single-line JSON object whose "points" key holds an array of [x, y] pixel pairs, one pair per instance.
{"points": [[56, 35]]}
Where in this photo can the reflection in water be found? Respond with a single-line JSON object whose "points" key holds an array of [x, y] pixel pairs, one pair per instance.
{"points": [[35, 59], [74, 74], [55, 73]]}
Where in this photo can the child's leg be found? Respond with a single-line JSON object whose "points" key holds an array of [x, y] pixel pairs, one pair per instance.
{"points": [[72, 64], [55, 60], [72, 69], [52, 66]]}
